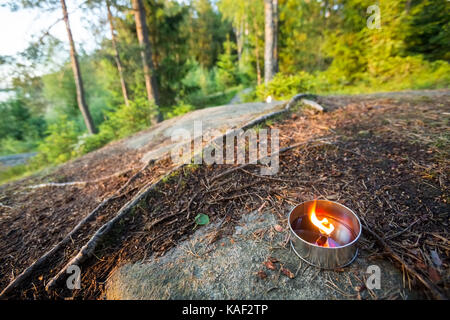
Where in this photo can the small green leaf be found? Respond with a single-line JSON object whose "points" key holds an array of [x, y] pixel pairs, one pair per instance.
{"points": [[201, 219]]}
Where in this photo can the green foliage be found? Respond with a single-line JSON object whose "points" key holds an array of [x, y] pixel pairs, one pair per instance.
{"points": [[120, 123], [59, 145], [168, 20], [179, 110], [20, 130], [284, 87], [302, 34], [9, 145], [413, 72], [201, 219], [65, 140], [129, 119], [60, 93], [90, 142], [203, 88], [394, 73], [207, 32], [200, 80], [429, 32], [203, 57], [247, 19], [227, 70], [15, 172]]}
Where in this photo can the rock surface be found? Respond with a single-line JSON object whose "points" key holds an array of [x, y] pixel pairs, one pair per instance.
{"points": [[233, 268], [219, 118], [16, 159]]}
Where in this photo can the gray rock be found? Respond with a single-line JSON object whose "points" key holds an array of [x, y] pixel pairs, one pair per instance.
{"points": [[159, 139], [228, 269], [16, 159]]}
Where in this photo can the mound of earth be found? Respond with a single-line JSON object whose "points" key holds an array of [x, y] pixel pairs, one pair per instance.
{"points": [[384, 155]]}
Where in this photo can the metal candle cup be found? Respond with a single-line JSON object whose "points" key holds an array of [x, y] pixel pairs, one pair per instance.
{"points": [[305, 236]]}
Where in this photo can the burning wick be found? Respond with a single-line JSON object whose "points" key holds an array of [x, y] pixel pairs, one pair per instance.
{"points": [[325, 227]]}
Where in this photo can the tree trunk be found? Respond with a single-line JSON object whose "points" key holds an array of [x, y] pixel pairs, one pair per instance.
{"points": [[77, 75], [268, 41], [275, 35], [116, 54], [146, 54], [239, 31], [258, 67]]}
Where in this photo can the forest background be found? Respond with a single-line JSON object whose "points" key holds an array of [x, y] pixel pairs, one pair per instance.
{"points": [[157, 59]]}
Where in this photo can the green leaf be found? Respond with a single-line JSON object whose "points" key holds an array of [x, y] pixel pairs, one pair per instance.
{"points": [[201, 219]]}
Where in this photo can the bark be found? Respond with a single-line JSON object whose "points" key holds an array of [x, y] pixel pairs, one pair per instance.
{"points": [[77, 74], [116, 55], [408, 6], [146, 55], [239, 31], [268, 41], [257, 34], [275, 35], [258, 66]]}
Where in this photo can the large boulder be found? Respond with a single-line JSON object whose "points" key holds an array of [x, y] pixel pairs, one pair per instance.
{"points": [[232, 267]]}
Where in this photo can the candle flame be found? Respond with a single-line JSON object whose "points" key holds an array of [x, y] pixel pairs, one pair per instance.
{"points": [[325, 227]]}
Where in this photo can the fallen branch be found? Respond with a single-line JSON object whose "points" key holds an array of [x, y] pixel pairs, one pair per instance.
{"points": [[288, 106], [265, 177], [313, 104], [74, 183], [5, 206], [402, 231], [428, 284], [297, 97]]}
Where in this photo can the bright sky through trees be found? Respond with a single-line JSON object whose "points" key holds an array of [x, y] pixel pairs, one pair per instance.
{"points": [[21, 27]]}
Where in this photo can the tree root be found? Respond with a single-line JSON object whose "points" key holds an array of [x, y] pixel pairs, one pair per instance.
{"points": [[74, 183], [5, 206], [23, 277], [88, 249]]}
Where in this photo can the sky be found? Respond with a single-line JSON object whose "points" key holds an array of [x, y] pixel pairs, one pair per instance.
{"points": [[19, 28]]}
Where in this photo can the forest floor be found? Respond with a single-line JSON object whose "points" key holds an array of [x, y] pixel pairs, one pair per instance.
{"points": [[385, 155]]}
